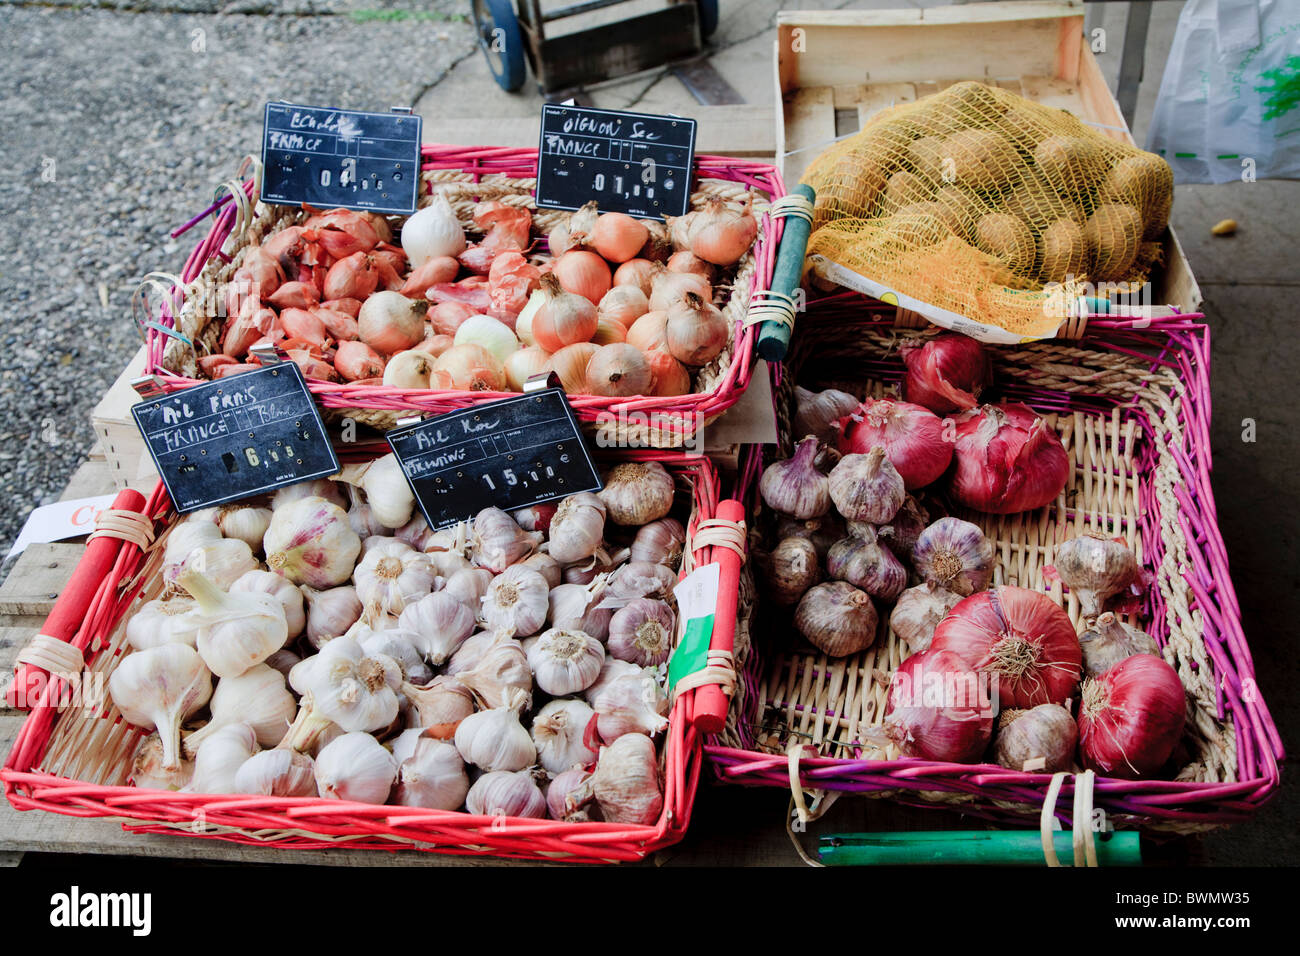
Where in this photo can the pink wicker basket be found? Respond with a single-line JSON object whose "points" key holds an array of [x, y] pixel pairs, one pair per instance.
{"points": [[1131, 400], [186, 322], [75, 760]]}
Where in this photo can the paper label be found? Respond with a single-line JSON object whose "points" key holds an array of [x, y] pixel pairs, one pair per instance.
{"points": [[697, 603], [60, 521]]}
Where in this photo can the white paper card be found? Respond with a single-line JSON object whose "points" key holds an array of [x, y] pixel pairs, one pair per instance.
{"points": [[59, 521]]}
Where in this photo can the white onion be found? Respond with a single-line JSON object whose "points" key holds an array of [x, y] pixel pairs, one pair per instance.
{"points": [[490, 333], [432, 232]]}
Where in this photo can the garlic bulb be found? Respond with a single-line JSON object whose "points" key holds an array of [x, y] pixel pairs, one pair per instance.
{"points": [[471, 652], [168, 620], [517, 599], [546, 566], [637, 493], [331, 491], [1039, 740], [1095, 569], [660, 542], [626, 782], [954, 555], [1110, 641], [185, 536], [818, 413], [584, 572], [560, 733], [219, 760], [495, 740], [310, 542], [415, 532], [431, 776], [397, 644], [355, 767], [439, 706], [794, 486], [437, 624], [387, 492], [823, 531], [501, 676], [277, 773], [237, 631], [505, 794], [577, 607], [330, 612], [224, 561], [248, 523], [258, 697], [290, 598], [867, 487], [640, 579], [633, 703], [791, 569], [282, 661], [158, 689], [918, 612], [499, 541], [837, 618], [341, 685], [565, 662], [148, 772], [362, 517], [391, 576], [577, 528], [469, 585], [564, 799], [611, 671], [642, 632], [866, 565], [904, 529]]}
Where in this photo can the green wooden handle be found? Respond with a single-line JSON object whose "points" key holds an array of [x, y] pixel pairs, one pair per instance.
{"points": [[965, 847], [774, 336]]}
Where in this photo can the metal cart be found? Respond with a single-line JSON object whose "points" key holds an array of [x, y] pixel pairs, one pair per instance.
{"points": [[509, 32]]}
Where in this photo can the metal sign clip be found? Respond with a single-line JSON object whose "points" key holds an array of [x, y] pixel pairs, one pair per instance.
{"points": [[541, 381], [269, 353], [147, 386]]}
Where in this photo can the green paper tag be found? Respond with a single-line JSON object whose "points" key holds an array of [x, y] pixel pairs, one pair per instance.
{"points": [[697, 601], [692, 653]]}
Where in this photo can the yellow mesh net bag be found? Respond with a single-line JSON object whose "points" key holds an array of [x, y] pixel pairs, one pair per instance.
{"points": [[983, 205]]}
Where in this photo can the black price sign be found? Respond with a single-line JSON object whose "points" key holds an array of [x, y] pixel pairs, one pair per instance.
{"points": [[236, 437], [328, 158], [635, 163], [508, 454]]}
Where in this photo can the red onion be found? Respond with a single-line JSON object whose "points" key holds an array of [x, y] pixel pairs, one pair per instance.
{"points": [[939, 709], [947, 373], [1008, 460], [1020, 636], [913, 438], [1131, 718]]}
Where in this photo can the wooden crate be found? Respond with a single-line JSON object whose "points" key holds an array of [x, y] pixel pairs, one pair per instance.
{"points": [[835, 69], [129, 463]]}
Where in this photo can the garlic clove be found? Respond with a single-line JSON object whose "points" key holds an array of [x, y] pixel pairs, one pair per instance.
{"points": [[862, 562], [1039, 740], [567, 800], [631, 703], [637, 493], [660, 542], [500, 677], [499, 542], [158, 689]]}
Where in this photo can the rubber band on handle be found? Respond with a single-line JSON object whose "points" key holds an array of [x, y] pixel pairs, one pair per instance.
{"points": [[794, 205], [719, 668], [53, 655], [768, 306], [130, 526], [720, 533]]}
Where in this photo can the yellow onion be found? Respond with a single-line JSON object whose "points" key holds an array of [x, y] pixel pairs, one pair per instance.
{"points": [[671, 377], [584, 273], [570, 363], [695, 330], [623, 304], [524, 364], [565, 318], [618, 370], [649, 332], [618, 237], [472, 368], [636, 273]]}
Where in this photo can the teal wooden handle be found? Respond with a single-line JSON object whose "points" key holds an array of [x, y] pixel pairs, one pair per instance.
{"points": [[774, 336], [966, 847]]}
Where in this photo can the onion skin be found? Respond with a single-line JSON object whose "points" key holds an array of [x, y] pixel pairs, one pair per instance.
{"points": [[671, 377], [649, 332], [1023, 637], [953, 723], [524, 364], [390, 322], [695, 330], [1007, 461], [565, 318], [439, 269], [947, 373], [1131, 718], [913, 438], [636, 273]]}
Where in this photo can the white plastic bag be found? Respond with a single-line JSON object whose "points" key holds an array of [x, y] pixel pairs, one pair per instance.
{"points": [[1229, 102]]}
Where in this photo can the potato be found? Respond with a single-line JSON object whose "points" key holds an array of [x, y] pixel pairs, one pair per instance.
{"points": [[1062, 252], [982, 159], [1146, 183], [1112, 234], [926, 155], [1071, 164], [919, 224], [905, 188], [962, 209], [1008, 239]]}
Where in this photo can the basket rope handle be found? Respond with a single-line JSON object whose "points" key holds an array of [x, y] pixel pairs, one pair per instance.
{"points": [[1085, 846], [715, 685]]}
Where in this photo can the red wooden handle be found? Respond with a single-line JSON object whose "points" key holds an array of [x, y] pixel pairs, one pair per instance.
{"points": [[710, 702], [69, 611]]}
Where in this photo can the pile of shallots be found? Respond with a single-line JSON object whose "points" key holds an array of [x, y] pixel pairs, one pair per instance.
{"points": [[613, 305], [510, 666]]}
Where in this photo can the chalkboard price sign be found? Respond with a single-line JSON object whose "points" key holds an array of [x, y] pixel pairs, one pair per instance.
{"points": [[236, 437], [636, 163], [508, 454], [328, 158]]}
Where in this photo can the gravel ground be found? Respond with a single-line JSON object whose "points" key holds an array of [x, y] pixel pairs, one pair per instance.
{"points": [[119, 122]]}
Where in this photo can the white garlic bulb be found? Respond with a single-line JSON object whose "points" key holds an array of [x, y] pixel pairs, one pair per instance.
{"points": [[387, 492], [577, 528], [642, 632], [611, 671], [437, 624], [311, 542], [499, 541], [264, 582], [561, 734], [517, 599], [431, 775], [355, 767], [502, 793], [566, 797], [468, 586], [397, 644], [237, 631], [415, 532], [918, 612], [258, 698], [148, 772], [391, 576], [342, 685], [579, 607], [224, 561], [325, 488], [660, 542], [277, 773], [168, 620], [248, 523], [330, 612], [626, 782], [185, 536], [566, 662], [631, 704], [439, 706], [219, 759], [495, 740], [640, 579], [158, 689], [637, 493], [546, 566]]}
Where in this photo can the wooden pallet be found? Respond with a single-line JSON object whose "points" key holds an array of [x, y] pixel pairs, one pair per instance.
{"points": [[837, 69]]}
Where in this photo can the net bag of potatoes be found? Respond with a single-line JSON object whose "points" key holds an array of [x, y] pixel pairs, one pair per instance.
{"points": [[987, 213]]}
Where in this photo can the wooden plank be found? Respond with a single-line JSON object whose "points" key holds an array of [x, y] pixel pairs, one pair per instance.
{"points": [[1099, 106], [129, 463], [38, 577], [809, 128], [882, 96], [1053, 92], [93, 477]]}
